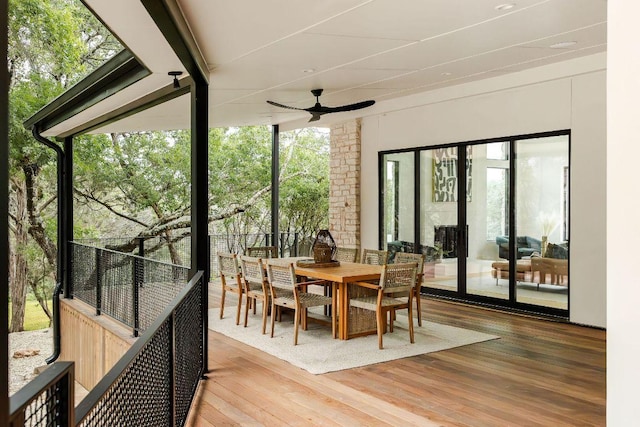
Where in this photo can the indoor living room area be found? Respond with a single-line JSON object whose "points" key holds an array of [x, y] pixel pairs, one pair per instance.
{"points": [[529, 173]]}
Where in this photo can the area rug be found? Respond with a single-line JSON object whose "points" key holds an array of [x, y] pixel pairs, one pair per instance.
{"points": [[318, 353]]}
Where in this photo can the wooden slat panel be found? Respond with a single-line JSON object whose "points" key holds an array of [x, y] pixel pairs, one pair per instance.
{"points": [[95, 343]]}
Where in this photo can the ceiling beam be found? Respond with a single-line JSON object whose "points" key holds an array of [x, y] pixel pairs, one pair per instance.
{"points": [[157, 97], [170, 21], [116, 74]]}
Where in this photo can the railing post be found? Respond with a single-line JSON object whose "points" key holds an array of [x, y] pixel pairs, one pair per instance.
{"points": [[172, 367], [206, 279], [281, 245], [98, 281], [136, 294], [141, 247], [67, 413]]}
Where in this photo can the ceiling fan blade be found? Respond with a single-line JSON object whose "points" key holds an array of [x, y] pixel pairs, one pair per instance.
{"points": [[318, 110], [286, 106], [350, 107]]}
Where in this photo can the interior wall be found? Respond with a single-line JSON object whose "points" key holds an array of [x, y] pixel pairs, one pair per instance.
{"points": [[623, 232], [569, 95]]}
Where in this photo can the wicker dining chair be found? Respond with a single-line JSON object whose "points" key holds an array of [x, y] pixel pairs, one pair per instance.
{"points": [[263, 252], [396, 279], [231, 280], [288, 293], [346, 254], [404, 257], [374, 256], [256, 288]]}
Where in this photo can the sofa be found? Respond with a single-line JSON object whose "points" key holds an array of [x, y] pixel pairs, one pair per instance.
{"points": [[525, 246], [551, 269]]}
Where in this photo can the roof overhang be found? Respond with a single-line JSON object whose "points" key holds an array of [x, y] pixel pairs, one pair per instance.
{"points": [[251, 52]]}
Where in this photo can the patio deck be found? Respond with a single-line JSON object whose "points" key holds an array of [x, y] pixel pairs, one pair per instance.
{"points": [[538, 373]]}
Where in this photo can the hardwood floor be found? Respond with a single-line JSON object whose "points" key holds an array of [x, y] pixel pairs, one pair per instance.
{"points": [[539, 373]]}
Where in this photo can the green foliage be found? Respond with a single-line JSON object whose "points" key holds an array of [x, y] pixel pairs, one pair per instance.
{"points": [[136, 172], [51, 45], [304, 200], [145, 178]]}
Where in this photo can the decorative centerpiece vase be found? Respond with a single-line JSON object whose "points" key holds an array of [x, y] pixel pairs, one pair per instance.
{"points": [[324, 247]]}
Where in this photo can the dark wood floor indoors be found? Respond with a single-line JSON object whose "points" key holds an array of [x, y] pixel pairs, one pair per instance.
{"points": [[539, 373]]}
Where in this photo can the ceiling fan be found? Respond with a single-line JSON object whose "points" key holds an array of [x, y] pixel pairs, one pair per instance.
{"points": [[318, 110]]}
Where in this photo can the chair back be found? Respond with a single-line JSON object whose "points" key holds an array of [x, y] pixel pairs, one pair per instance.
{"points": [[252, 270], [374, 257], [281, 275], [398, 278], [346, 254], [228, 265], [405, 257], [263, 252]]}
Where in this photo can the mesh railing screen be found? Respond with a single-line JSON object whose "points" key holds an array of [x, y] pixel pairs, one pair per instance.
{"points": [[178, 251], [141, 395], [189, 351], [83, 273], [157, 385], [45, 409], [45, 402], [124, 286]]}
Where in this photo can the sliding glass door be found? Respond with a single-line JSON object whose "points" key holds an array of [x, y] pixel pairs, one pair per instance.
{"points": [[542, 220], [487, 215], [397, 191], [438, 235], [508, 242]]}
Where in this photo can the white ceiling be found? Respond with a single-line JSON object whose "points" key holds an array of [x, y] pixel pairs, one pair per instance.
{"points": [[355, 50]]}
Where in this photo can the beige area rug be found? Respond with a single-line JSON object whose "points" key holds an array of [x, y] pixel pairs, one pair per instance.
{"points": [[318, 353]]}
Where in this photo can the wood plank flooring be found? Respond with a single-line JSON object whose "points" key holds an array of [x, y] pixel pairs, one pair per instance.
{"points": [[539, 373]]}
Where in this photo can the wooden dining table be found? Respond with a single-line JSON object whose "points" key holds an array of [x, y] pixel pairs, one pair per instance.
{"points": [[352, 321]]}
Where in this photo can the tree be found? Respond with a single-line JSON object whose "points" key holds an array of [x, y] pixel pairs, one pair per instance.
{"points": [[140, 179], [144, 179], [51, 45]]}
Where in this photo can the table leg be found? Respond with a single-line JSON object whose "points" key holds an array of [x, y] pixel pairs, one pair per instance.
{"points": [[344, 311]]}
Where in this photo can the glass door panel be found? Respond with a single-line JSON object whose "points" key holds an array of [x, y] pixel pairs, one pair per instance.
{"points": [[542, 182], [398, 217], [439, 217], [488, 220]]}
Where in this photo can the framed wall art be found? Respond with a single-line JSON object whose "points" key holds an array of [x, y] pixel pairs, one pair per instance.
{"points": [[445, 178]]}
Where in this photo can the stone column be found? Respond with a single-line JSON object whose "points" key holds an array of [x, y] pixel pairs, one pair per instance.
{"points": [[344, 189]]}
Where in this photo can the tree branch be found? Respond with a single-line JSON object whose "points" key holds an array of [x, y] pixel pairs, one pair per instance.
{"points": [[110, 208]]}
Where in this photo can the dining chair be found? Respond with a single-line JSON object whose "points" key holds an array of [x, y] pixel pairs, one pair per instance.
{"points": [[263, 252], [231, 280], [287, 292], [346, 254], [256, 288], [396, 279], [404, 257], [374, 256]]}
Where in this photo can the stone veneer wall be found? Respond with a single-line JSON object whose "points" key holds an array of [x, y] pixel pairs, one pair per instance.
{"points": [[344, 190]]}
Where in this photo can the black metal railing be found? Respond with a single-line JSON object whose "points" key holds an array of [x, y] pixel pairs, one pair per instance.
{"points": [[154, 383], [45, 401], [128, 288], [160, 248], [178, 250]]}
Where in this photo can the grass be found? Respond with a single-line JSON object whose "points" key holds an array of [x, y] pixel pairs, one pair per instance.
{"points": [[34, 316]]}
